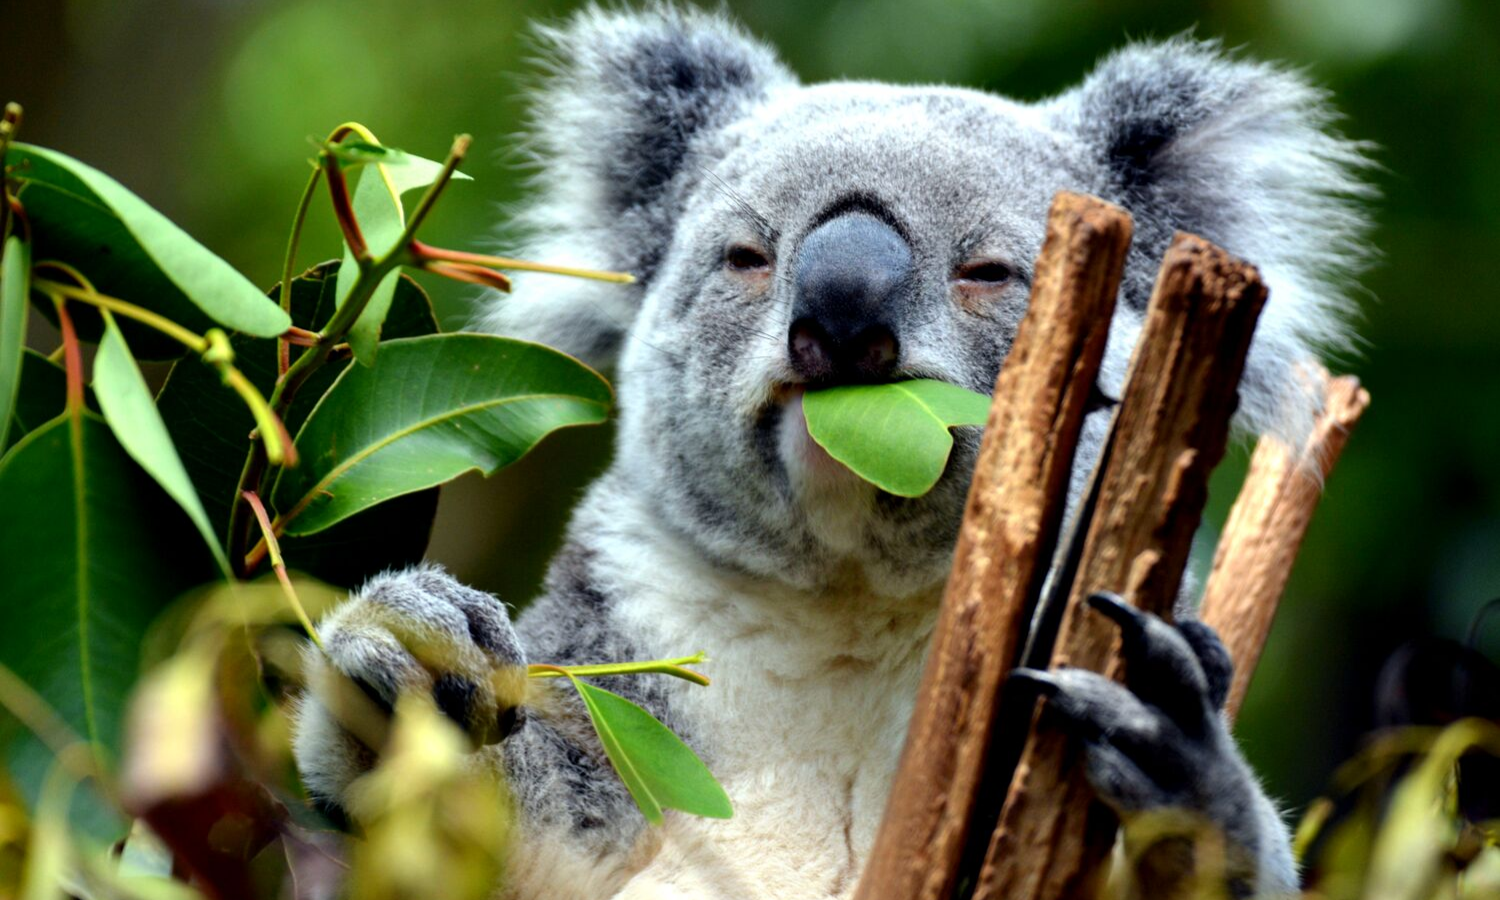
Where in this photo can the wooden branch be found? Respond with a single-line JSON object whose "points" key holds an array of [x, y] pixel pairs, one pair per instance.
{"points": [[1265, 530], [1009, 531], [1053, 835]]}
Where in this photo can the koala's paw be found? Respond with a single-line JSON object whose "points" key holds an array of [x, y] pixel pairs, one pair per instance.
{"points": [[414, 630], [1159, 741]]}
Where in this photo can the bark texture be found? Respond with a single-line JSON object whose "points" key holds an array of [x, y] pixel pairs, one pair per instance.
{"points": [[1265, 529], [1173, 424], [1005, 546]]}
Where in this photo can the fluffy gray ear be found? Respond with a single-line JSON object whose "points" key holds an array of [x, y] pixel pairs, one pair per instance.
{"points": [[1189, 137], [619, 131]]}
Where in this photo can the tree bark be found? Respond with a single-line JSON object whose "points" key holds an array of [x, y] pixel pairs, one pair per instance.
{"points": [[1015, 508], [1172, 427], [1266, 527]]}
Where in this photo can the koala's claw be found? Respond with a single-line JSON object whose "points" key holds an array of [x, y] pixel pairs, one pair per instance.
{"points": [[1166, 668], [1158, 739], [1152, 740], [1132, 751]]}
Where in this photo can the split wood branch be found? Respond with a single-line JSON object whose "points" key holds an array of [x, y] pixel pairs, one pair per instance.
{"points": [[1265, 530], [1054, 835], [1005, 545]]}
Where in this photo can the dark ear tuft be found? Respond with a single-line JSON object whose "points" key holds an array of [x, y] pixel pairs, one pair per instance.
{"points": [[1191, 138], [631, 102]]}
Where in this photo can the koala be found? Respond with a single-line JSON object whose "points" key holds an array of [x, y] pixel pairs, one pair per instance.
{"points": [[787, 236]]}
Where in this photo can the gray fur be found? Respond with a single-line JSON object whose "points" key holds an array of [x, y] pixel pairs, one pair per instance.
{"points": [[663, 138]]}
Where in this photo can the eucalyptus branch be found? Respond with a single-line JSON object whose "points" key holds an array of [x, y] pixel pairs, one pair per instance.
{"points": [[281, 451], [425, 253], [212, 349], [279, 565], [673, 667], [10, 123], [17, 212], [287, 386], [292, 375], [257, 553], [455, 158], [371, 272], [283, 345], [343, 207], [193, 341], [338, 188], [301, 337], [470, 274], [72, 356]]}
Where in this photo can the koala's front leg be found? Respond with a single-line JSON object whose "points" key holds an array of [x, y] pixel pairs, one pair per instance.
{"points": [[1160, 740], [415, 630]]}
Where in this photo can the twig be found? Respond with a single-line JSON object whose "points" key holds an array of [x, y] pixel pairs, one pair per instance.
{"points": [[283, 344], [673, 667], [86, 294], [213, 348], [1266, 527], [469, 273], [287, 386], [280, 566], [1009, 531], [10, 123], [343, 209], [1054, 836], [425, 253], [279, 447], [456, 155], [72, 355], [301, 337]]}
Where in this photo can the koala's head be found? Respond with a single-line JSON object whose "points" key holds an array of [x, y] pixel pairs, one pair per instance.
{"points": [[789, 236]]}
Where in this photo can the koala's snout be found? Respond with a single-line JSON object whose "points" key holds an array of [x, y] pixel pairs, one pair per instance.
{"points": [[849, 277]]}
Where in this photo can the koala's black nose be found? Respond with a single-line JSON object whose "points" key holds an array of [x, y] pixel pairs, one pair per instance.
{"points": [[849, 277]]}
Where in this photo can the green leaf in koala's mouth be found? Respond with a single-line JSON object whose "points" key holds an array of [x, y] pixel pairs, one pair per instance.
{"points": [[894, 436]]}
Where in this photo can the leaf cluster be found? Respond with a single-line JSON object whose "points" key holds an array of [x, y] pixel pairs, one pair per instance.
{"points": [[306, 427]]}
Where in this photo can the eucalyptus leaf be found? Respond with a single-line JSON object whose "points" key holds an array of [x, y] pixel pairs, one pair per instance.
{"points": [[93, 550], [659, 770], [434, 408], [131, 412], [127, 249], [894, 436], [382, 219], [15, 285], [211, 430]]}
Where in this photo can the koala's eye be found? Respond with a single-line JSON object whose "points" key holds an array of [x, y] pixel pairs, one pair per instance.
{"points": [[742, 258], [988, 272]]}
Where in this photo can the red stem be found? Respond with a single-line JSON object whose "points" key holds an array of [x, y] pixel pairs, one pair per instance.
{"points": [[255, 557], [425, 252], [301, 337], [72, 358], [469, 273], [343, 208]]}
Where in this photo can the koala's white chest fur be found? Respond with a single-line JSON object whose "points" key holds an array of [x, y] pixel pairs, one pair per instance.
{"points": [[803, 724]]}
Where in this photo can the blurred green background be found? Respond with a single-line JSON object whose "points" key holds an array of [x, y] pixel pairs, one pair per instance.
{"points": [[205, 107]]}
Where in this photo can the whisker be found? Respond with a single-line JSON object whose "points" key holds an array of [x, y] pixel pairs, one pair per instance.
{"points": [[761, 221]]}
